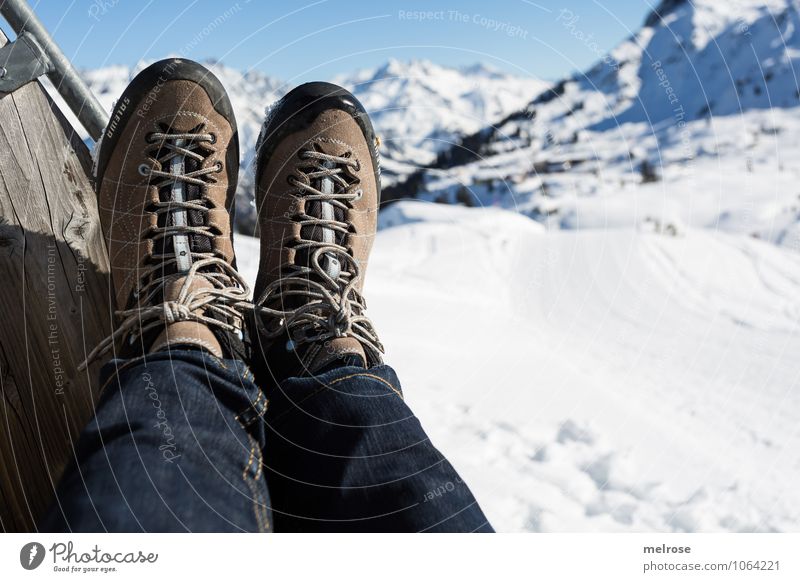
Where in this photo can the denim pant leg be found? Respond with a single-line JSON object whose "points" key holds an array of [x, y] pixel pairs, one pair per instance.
{"points": [[175, 445], [345, 453]]}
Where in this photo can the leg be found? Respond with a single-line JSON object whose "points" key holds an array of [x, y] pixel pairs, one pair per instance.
{"points": [[345, 453], [169, 448], [174, 446]]}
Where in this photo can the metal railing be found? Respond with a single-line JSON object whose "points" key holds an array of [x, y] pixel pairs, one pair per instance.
{"points": [[34, 53]]}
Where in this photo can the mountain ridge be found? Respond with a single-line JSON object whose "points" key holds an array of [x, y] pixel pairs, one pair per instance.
{"points": [[699, 84]]}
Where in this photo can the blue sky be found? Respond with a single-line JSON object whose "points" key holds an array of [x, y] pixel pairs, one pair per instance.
{"points": [[315, 39]]}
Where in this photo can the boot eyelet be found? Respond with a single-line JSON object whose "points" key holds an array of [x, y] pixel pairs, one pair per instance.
{"points": [[144, 169], [359, 194], [218, 167], [213, 138], [149, 138]]}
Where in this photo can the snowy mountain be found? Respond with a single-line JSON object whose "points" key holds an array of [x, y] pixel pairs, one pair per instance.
{"points": [[421, 108], [418, 108], [702, 58], [698, 104]]}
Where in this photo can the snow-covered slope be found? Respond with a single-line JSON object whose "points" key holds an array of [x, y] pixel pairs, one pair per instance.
{"points": [[421, 108], [605, 380]]}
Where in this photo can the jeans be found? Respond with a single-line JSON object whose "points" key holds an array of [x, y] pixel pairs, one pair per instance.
{"points": [[184, 441]]}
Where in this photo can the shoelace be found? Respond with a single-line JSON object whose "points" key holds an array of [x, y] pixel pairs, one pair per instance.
{"points": [[228, 294], [330, 305]]}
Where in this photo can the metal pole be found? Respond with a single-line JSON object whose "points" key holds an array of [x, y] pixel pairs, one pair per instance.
{"points": [[64, 76]]}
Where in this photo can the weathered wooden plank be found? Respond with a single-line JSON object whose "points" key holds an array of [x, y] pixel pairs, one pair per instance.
{"points": [[54, 298]]}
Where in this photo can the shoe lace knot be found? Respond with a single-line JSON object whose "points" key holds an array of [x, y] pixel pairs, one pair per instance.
{"points": [[174, 311]]}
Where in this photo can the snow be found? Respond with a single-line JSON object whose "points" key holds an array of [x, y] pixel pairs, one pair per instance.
{"points": [[608, 379], [420, 108]]}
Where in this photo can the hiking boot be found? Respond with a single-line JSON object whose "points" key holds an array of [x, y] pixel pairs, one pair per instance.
{"points": [[317, 195], [165, 173]]}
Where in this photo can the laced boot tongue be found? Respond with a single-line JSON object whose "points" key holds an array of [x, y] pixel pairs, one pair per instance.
{"points": [[187, 290], [323, 257], [184, 240], [330, 177], [178, 163]]}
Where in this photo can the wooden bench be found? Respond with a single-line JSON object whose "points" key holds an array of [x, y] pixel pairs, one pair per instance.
{"points": [[54, 299]]}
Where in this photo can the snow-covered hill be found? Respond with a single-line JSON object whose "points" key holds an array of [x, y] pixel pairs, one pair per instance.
{"points": [[421, 108]]}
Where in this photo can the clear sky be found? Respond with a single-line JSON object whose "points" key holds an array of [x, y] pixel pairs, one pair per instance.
{"points": [[299, 40]]}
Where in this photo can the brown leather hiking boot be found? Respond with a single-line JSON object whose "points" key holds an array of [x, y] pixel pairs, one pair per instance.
{"points": [[165, 175], [317, 193]]}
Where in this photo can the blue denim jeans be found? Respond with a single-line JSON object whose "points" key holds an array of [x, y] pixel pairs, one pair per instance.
{"points": [[183, 441]]}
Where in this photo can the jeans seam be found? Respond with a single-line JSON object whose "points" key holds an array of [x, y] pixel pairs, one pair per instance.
{"points": [[140, 359], [337, 380], [259, 476], [118, 370], [248, 374], [262, 522], [253, 405], [373, 377], [219, 361], [259, 503]]}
